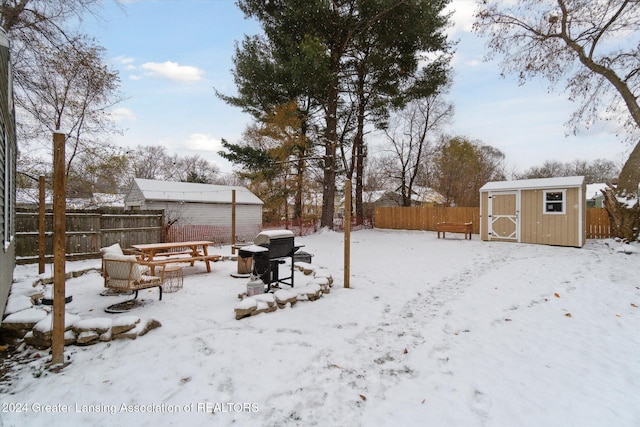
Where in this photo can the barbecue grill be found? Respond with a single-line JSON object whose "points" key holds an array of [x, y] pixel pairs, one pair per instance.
{"points": [[270, 249]]}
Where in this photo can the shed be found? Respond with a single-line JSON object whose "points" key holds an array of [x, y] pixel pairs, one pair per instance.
{"points": [[547, 211], [201, 209]]}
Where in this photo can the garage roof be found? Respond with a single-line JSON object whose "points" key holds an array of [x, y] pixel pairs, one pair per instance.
{"points": [[194, 192]]}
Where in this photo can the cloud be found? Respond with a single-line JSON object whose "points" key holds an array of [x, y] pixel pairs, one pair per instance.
{"points": [[124, 60], [173, 71], [123, 114], [462, 19], [203, 142]]}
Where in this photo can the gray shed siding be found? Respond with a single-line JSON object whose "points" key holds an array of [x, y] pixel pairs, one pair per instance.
{"points": [[207, 213], [135, 198], [195, 211]]}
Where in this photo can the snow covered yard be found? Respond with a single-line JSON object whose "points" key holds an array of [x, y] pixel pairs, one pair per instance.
{"points": [[432, 332]]}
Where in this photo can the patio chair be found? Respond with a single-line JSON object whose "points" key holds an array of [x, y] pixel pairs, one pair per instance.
{"points": [[116, 250], [124, 273]]}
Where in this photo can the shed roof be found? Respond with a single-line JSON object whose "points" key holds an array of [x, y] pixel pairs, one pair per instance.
{"points": [[172, 191], [528, 184]]}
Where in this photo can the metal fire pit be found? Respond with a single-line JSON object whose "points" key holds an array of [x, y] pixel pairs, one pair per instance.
{"points": [[270, 249]]}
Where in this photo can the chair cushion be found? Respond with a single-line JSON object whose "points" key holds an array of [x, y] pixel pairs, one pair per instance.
{"points": [[113, 249], [120, 270]]}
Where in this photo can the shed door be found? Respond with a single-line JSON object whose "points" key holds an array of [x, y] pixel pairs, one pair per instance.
{"points": [[503, 216]]}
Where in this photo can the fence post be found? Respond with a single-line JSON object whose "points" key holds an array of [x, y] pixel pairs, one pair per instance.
{"points": [[59, 246]]}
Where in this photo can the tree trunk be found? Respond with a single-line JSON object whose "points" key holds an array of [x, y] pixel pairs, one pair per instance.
{"points": [[298, 210], [329, 173], [625, 220], [630, 173]]}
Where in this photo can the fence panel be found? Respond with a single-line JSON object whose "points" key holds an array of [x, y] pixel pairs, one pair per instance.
{"points": [[598, 226], [87, 231], [426, 218]]}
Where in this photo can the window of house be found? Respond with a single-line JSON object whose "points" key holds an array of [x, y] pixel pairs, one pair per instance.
{"points": [[554, 201]]}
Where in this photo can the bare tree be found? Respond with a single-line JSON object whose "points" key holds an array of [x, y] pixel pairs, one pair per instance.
{"points": [[591, 46], [61, 81], [409, 134], [596, 171], [69, 89]]}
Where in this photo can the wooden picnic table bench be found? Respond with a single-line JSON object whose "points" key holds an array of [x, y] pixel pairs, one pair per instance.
{"points": [[197, 251], [454, 227]]}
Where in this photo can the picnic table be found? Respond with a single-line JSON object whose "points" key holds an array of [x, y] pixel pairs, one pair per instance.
{"points": [[153, 254]]}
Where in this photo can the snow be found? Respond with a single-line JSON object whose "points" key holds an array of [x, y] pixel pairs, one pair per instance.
{"points": [[595, 190], [194, 192], [523, 184], [31, 315], [431, 332]]}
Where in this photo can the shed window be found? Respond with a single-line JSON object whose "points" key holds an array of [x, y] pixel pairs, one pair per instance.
{"points": [[554, 201]]}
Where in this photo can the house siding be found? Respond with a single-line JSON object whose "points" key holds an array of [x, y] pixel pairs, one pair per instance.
{"points": [[8, 155]]}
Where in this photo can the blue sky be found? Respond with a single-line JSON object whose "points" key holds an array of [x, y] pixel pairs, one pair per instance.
{"points": [[172, 53]]}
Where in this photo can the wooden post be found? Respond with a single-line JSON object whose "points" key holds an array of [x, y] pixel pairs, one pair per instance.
{"points": [[59, 238], [42, 243], [233, 221], [347, 232]]}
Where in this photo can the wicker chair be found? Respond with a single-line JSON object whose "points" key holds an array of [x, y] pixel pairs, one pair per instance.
{"points": [[116, 250], [123, 273]]}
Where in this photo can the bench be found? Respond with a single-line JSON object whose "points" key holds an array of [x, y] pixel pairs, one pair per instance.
{"points": [[454, 227], [173, 253], [189, 259]]}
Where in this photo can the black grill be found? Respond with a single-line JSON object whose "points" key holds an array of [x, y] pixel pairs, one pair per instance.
{"points": [[270, 249]]}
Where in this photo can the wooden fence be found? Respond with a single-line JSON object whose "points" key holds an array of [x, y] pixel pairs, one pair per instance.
{"points": [[426, 218], [87, 231], [598, 226]]}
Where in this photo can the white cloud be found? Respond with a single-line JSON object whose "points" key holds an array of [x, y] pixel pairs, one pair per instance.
{"points": [[173, 71], [123, 114], [125, 60], [462, 19], [203, 142]]}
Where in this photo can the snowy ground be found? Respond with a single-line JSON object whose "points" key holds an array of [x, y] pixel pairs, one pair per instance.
{"points": [[432, 332]]}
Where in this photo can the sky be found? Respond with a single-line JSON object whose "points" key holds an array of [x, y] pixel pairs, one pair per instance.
{"points": [[172, 55]]}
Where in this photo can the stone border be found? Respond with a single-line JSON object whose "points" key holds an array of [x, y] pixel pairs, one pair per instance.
{"points": [[31, 321], [317, 287]]}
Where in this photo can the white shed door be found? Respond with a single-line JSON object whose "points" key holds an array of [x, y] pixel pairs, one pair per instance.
{"points": [[503, 216]]}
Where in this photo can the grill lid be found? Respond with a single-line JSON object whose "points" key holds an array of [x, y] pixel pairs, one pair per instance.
{"points": [[265, 237]]}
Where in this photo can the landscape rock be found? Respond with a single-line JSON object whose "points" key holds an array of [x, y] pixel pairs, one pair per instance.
{"points": [[87, 337], [148, 326]]}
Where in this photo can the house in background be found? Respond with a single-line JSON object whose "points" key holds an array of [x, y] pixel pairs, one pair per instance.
{"points": [[548, 211], [420, 196], [29, 198], [8, 157], [196, 211], [595, 198]]}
